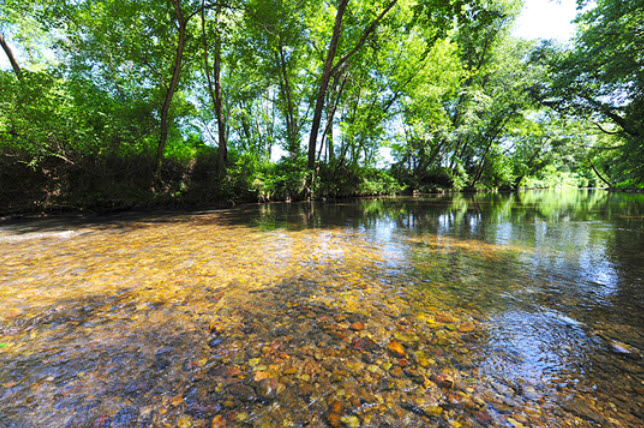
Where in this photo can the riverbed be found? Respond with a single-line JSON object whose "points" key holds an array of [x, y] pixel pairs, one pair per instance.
{"points": [[509, 310]]}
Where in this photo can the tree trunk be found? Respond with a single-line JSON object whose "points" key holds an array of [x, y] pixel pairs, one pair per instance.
{"points": [[172, 88], [219, 112], [426, 166], [517, 180], [479, 172], [324, 84], [12, 58], [330, 69], [328, 131], [291, 120], [214, 88]]}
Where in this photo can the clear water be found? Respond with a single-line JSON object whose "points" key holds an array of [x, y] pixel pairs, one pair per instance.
{"points": [[464, 311]]}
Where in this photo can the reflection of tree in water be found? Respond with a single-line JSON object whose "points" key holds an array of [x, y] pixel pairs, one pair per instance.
{"points": [[560, 300]]}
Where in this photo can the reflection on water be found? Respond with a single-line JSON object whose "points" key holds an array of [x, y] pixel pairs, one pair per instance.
{"points": [[464, 310]]}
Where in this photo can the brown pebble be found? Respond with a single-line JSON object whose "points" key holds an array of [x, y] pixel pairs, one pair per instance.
{"points": [[218, 422], [357, 326], [364, 344], [289, 370], [482, 416], [396, 372], [444, 318], [334, 420], [466, 328], [396, 349], [444, 381]]}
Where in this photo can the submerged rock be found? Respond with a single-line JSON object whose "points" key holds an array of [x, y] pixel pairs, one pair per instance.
{"points": [[582, 409], [364, 344], [213, 343], [396, 349], [623, 348], [242, 392], [350, 421], [218, 422], [357, 326], [267, 389]]}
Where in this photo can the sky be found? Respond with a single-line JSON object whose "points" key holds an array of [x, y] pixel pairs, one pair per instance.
{"points": [[547, 19]]}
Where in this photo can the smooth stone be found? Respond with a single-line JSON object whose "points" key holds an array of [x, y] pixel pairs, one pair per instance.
{"points": [[242, 392], [350, 421], [396, 349], [267, 389]]}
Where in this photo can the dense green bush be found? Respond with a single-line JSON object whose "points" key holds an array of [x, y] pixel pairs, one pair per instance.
{"points": [[284, 180], [437, 180], [630, 184], [336, 180]]}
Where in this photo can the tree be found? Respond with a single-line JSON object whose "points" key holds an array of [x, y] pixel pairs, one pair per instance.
{"points": [[137, 47], [331, 66], [601, 79], [279, 48]]}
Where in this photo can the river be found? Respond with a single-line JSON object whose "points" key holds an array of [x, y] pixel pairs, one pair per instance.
{"points": [[509, 310]]}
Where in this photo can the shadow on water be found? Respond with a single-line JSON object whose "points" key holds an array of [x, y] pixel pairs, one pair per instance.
{"points": [[85, 362]]}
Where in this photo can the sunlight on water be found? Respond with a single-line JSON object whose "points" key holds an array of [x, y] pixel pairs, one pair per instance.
{"points": [[523, 310]]}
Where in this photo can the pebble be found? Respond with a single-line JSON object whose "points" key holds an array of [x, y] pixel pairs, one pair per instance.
{"points": [[242, 416], [184, 421], [443, 380], [466, 328], [516, 423], [357, 326], [335, 410], [396, 372], [364, 344], [582, 409], [218, 422], [415, 375], [242, 392], [126, 417], [396, 349], [267, 389], [215, 342], [350, 421]]}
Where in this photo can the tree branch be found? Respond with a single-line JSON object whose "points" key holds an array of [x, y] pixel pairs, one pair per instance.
{"points": [[606, 110], [12, 58], [370, 29], [592, 165]]}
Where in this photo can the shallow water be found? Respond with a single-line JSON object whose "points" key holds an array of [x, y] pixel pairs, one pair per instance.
{"points": [[518, 310]]}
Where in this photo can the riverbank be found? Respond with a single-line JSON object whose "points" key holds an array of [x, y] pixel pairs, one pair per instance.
{"points": [[174, 208]]}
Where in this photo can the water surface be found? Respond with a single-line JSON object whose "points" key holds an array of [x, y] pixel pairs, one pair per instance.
{"points": [[517, 310]]}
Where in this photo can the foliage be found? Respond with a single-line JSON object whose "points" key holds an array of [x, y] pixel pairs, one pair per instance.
{"points": [[601, 80], [285, 180], [343, 181], [123, 103]]}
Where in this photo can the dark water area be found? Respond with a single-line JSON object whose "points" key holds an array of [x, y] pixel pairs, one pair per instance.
{"points": [[508, 310]]}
